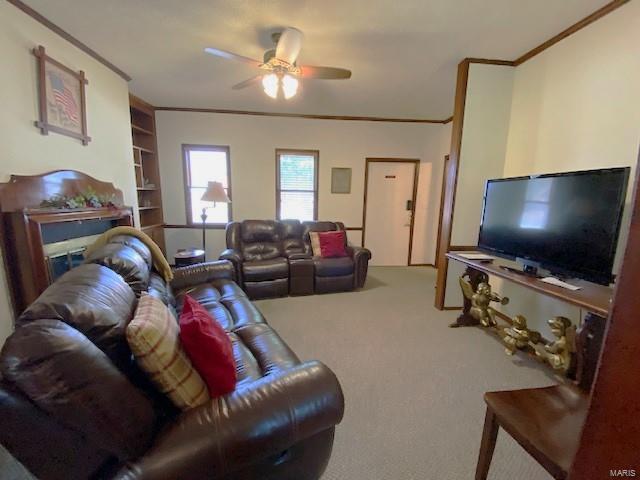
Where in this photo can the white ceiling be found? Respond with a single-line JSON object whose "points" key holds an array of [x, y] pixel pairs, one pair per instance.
{"points": [[403, 53]]}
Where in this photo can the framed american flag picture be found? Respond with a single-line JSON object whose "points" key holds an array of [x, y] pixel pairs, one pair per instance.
{"points": [[62, 101]]}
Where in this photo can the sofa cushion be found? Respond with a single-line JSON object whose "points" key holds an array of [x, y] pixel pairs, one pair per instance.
{"points": [[260, 240], [225, 302], [153, 335], [253, 231], [268, 348], [291, 237], [66, 375], [272, 269], [136, 244], [125, 261], [332, 244], [161, 289], [208, 347], [333, 267], [308, 227], [94, 300]]}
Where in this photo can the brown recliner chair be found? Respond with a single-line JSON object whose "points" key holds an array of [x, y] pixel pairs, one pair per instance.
{"points": [[336, 274], [73, 404], [255, 249]]}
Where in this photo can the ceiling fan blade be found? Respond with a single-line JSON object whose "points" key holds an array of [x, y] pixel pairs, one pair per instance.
{"points": [[247, 83], [289, 45], [232, 56], [329, 73]]}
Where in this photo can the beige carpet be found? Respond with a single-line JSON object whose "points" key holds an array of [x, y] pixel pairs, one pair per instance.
{"points": [[413, 387]]}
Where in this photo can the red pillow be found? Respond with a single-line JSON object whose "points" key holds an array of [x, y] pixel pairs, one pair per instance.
{"points": [[332, 244], [208, 347]]}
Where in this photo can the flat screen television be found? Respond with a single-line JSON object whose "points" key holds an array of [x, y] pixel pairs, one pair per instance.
{"points": [[567, 223]]}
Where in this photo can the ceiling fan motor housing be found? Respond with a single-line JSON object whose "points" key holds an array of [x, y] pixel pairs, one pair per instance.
{"points": [[268, 55]]}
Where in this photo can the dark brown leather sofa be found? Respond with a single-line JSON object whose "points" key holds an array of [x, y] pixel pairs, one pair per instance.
{"points": [[274, 259], [73, 404]]}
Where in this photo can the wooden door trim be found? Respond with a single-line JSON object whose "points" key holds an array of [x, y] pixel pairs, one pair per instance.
{"points": [[442, 189], [416, 176], [451, 181]]}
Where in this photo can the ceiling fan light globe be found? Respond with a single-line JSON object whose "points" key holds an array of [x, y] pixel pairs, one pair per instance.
{"points": [[289, 86], [270, 85]]}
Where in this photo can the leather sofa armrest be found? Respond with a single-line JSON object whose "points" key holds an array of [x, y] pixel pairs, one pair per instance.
{"points": [[298, 256], [265, 418], [361, 257], [184, 277], [235, 257]]}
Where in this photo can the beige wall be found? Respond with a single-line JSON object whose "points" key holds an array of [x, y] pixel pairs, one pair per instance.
{"points": [[24, 150], [484, 139], [574, 106], [253, 140]]}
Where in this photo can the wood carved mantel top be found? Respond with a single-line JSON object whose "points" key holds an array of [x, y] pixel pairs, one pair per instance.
{"points": [[28, 191], [591, 297]]}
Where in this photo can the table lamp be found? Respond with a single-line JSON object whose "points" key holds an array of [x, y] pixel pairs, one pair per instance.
{"points": [[214, 193]]}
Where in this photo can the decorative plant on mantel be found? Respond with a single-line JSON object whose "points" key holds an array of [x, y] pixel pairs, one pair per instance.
{"points": [[86, 199]]}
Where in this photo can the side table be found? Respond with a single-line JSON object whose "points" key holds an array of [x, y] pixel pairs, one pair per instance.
{"points": [[189, 256]]}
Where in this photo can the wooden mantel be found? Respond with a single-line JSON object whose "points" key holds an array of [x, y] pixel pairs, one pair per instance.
{"points": [[29, 191], [29, 231]]}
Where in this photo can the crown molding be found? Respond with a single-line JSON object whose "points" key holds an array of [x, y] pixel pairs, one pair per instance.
{"points": [[588, 20], [67, 36], [301, 115]]}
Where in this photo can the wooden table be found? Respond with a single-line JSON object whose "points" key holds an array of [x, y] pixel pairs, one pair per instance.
{"points": [[591, 296], [189, 256], [594, 299]]}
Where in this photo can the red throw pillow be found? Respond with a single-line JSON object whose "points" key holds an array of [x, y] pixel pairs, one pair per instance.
{"points": [[333, 244], [208, 347]]}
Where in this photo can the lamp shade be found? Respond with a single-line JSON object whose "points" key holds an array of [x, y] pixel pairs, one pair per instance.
{"points": [[215, 193]]}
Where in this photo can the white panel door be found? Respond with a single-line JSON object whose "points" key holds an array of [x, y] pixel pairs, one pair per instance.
{"points": [[388, 216]]}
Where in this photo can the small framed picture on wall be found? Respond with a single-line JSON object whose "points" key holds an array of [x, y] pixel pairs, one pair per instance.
{"points": [[62, 101], [340, 180]]}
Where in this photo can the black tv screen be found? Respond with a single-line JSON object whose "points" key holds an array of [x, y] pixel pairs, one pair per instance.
{"points": [[567, 222]]}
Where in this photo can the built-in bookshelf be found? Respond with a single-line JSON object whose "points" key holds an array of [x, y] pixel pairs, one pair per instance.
{"points": [[147, 169]]}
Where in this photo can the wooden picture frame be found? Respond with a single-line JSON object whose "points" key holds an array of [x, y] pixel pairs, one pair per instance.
{"points": [[340, 180], [62, 102]]}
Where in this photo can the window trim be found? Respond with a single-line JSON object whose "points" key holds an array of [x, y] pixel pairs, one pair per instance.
{"points": [[186, 177], [316, 158]]}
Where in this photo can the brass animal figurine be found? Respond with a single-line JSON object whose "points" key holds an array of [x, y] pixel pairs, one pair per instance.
{"points": [[518, 336], [480, 302], [558, 354]]}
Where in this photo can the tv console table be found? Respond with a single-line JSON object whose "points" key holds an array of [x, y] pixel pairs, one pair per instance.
{"points": [[594, 299]]}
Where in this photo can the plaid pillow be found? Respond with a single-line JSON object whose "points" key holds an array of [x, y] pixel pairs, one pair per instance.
{"points": [[153, 336], [315, 244]]}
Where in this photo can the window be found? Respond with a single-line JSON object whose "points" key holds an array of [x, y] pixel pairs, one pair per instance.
{"points": [[204, 164], [297, 184]]}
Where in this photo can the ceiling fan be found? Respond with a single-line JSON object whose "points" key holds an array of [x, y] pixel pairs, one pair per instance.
{"points": [[279, 63]]}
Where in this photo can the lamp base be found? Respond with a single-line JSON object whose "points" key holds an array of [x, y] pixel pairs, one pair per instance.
{"points": [[204, 231]]}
